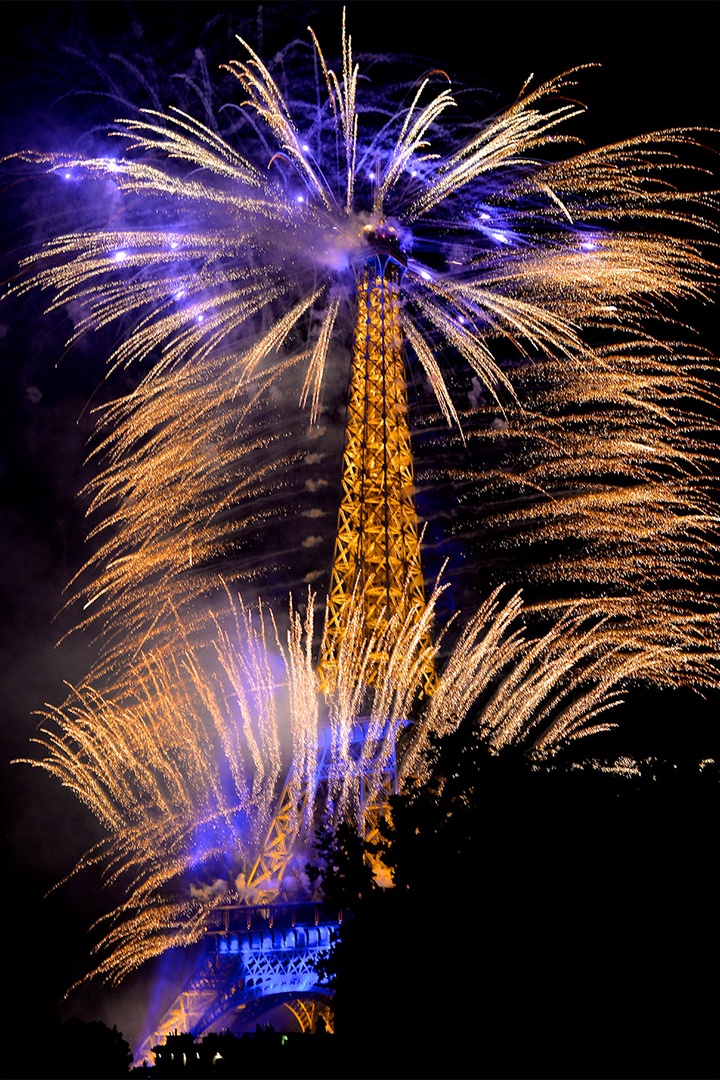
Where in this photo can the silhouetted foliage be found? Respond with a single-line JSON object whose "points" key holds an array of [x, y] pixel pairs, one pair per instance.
{"points": [[71, 1050], [551, 920], [342, 867], [546, 921]]}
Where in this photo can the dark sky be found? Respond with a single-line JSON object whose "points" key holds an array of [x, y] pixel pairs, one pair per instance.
{"points": [[658, 69]]}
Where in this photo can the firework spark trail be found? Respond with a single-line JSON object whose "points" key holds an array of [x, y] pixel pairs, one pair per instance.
{"points": [[546, 259], [557, 282], [604, 479], [211, 473], [184, 774]]}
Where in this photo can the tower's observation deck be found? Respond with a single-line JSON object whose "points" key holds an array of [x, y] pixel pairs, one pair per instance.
{"points": [[377, 547]]}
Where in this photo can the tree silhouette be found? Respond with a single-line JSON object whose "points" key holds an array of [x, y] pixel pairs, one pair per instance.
{"points": [[545, 921], [46, 1049]]}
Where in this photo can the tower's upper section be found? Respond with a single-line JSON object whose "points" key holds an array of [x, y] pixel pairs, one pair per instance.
{"points": [[377, 550]]}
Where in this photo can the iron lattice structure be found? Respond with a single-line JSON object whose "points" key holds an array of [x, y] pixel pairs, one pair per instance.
{"points": [[257, 961], [250, 969], [294, 809], [377, 547], [261, 958]]}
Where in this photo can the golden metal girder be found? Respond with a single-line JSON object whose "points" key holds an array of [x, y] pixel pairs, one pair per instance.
{"points": [[374, 811], [290, 820], [186, 1011], [277, 850], [377, 547], [307, 1012]]}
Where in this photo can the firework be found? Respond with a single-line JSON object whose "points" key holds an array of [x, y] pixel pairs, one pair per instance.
{"points": [[574, 267], [554, 275], [184, 772]]}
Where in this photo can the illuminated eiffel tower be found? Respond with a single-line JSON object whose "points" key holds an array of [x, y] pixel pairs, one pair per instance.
{"points": [[262, 958], [377, 548]]}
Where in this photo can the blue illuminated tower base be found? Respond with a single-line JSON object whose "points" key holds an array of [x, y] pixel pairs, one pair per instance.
{"points": [[259, 963], [259, 966]]}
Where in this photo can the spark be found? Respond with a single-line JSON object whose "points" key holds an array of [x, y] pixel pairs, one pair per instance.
{"points": [[183, 770], [239, 271], [556, 280]]}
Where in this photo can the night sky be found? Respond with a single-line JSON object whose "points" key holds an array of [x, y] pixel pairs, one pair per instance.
{"points": [[658, 69]]}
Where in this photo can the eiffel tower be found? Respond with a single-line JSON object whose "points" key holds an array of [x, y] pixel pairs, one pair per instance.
{"points": [[262, 958]]}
